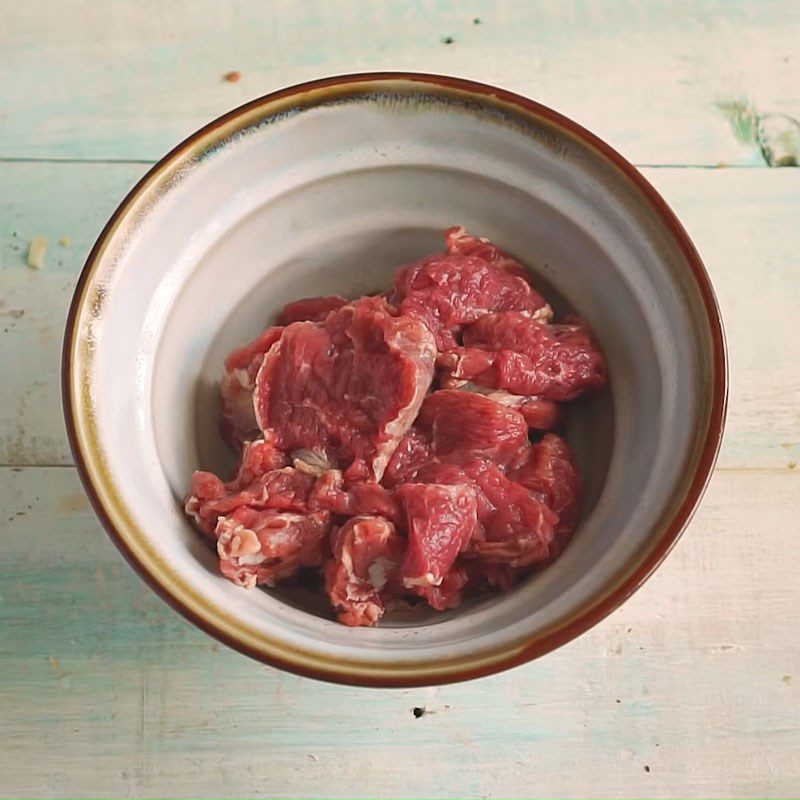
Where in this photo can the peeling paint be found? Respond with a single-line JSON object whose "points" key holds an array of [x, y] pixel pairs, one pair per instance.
{"points": [[778, 136]]}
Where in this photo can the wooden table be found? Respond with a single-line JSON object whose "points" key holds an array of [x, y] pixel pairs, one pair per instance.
{"points": [[691, 689]]}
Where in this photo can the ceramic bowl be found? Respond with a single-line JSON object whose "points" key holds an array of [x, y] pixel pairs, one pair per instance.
{"points": [[326, 188]]}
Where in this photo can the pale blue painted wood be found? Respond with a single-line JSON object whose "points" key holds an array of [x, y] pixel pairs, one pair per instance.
{"points": [[743, 222], [128, 80], [105, 691], [53, 201]]}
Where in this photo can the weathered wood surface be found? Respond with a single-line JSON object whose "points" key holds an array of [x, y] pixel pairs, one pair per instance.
{"points": [[105, 691], [691, 689], [666, 81], [743, 221]]}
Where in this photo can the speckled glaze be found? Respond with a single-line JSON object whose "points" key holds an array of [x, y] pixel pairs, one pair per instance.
{"points": [[327, 187]]}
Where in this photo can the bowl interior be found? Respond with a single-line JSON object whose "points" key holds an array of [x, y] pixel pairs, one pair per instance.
{"points": [[329, 193]]}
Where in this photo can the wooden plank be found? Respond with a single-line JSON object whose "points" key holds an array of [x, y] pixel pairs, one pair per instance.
{"points": [[54, 201], [666, 82], [695, 678], [743, 222]]}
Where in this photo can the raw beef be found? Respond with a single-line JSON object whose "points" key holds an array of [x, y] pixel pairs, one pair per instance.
{"points": [[518, 527], [515, 527], [363, 498], [401, 443], [539, 414], [362, 576], [346, 388], [262, 547], [440, 519], [238, 422], [259, 482], [459, 242], [310, 309], [511, 351], [450, 592], [451, 290], [454, 427], [549, 470]]}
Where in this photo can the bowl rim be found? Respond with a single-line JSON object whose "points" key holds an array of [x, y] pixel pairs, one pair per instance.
{"points": [[409, 674]]}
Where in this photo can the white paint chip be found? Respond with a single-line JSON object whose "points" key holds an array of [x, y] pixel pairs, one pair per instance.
{"points": [[37, 252]]}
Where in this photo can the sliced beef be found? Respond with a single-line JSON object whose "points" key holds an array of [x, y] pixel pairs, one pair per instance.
{"points": [[362, 576], [455, 426], [238, 423], [451, 290], [440, 519], [450, 592], [539, 414], [261, 547], [513, 352], [399, 493], [413, 450], [361, 498], [515, 527], [310, 309], [346, 388], [459, 242], [518, 527], [548, 468], [261, 482]]}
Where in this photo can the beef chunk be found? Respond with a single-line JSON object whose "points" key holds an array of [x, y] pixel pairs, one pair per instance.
{"points": [[347, 388], [548, 469], [451, 290], [440, 520], [513, 352], [238, 422], [515, 527], [260, 547], [361, 578], [310, 309], [453, 427], [261, 482]]}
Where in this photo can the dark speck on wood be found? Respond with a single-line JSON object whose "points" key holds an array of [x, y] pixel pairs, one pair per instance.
{"points": [[476, 21], [418, 711], [447, 40], [646, 768]]}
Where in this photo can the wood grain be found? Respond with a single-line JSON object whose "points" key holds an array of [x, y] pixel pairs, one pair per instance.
{"points": [[744, 223], [692, 689], [697, 677], [665, 81]]}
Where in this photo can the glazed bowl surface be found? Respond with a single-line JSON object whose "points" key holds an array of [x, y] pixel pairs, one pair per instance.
{"points": [[326, 188]]}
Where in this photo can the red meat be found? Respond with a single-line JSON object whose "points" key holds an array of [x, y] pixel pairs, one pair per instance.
{"points": [[548, 469], [261, 482], [346, 388], [357, 499], [361, 577], [450, 592], [515, 527], [463, 425], [440, 520], [539, 414], [310, 309], [518, 529], [258, 547], [459, 242], [514, 352], [413, 450], [350, 465], [238, 423], [451, 290]]}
